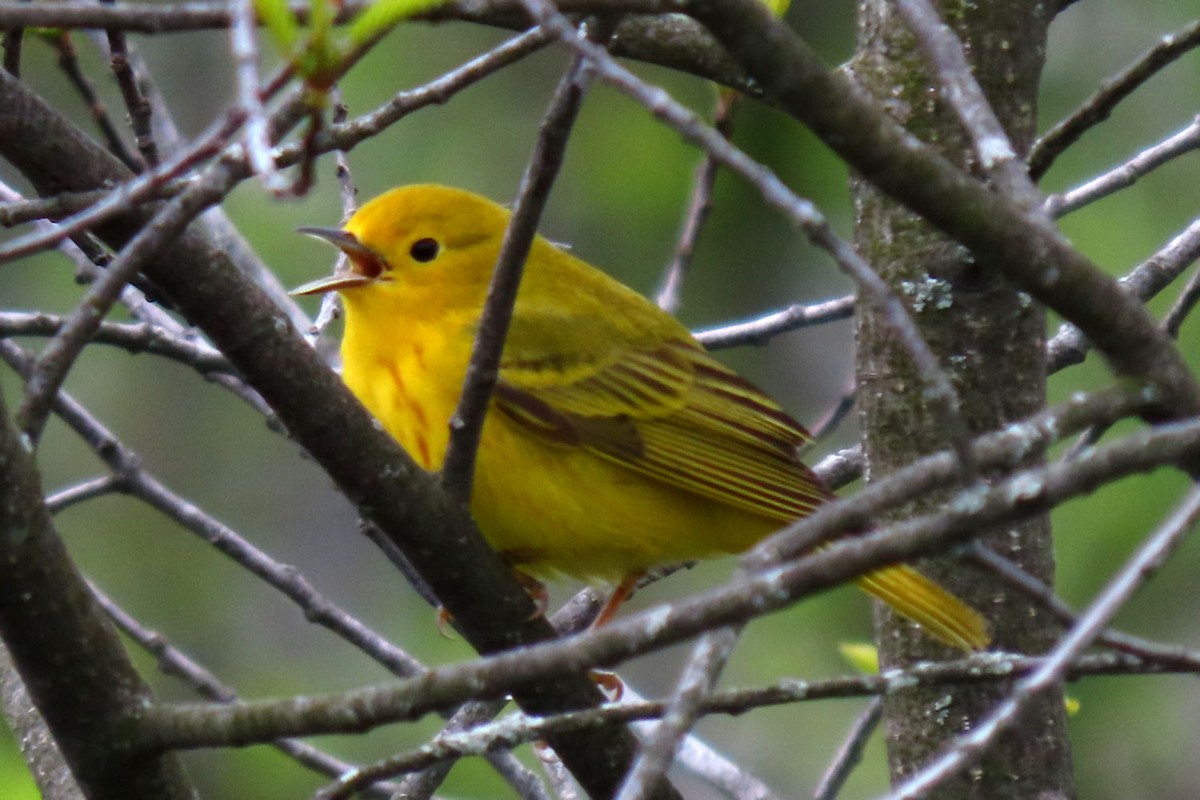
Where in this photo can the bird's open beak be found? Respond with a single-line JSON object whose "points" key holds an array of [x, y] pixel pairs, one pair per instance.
{"points": [[362, 263]]}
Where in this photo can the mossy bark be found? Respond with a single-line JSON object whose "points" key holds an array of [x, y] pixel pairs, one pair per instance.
{"points": [[990, 338]]}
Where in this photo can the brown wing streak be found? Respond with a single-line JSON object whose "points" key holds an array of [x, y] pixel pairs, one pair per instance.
{"points": [[677, 416]]}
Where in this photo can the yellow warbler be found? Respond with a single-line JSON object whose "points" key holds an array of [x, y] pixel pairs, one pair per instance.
{"points": [[614, 442]]}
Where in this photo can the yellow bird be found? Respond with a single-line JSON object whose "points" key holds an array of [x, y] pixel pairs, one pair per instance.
{"points": [[614, 443]]}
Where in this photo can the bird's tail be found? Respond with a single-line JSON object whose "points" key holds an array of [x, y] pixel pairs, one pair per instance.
{"points": [[942, 614]]}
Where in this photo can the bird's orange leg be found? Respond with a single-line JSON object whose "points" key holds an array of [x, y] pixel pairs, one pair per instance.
{"points": [[623, 592], [609, 682]]}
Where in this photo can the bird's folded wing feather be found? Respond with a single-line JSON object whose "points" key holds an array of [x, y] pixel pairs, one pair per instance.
{"points": [[667, 410]]}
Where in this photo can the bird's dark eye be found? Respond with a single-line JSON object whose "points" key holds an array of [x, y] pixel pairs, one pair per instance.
{"points": [[424, 250]]}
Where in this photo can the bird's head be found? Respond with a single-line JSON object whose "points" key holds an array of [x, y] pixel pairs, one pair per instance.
{"points": [[413, 238]]}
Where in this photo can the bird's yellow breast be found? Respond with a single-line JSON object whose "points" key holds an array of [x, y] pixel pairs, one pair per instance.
{"points": [[408, 377]]}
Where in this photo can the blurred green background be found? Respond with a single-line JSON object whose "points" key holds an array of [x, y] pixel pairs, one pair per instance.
{"points": [[619, 204]]}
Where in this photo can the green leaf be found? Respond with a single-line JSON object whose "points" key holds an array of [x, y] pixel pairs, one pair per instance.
{"points": [[383, 14], [278, 19]]}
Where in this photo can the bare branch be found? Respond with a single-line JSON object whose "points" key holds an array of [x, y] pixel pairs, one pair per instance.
{"points": [[140, 337], [801, 213], [1183, 306], [68, 61], [761, 330], [1070, 346], [850, 753], [1031, 254], [1127, 174], [136, 103], [173, 661], [1097, 108], [70, 660], [699, 205], [60, 354], [199, 725], [659, 745], [82, 492], [962, 92], [1148, 558], [244, 46], [466, 423]]}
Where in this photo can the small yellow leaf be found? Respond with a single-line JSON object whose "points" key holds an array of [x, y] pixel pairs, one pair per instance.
{"points": [[863, 657]]}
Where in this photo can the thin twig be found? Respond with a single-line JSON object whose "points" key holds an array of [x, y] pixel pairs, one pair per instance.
{"points": [[96, 487], [706, 764], [466, 424], [564, 786], [704, 667], [944, 53], [970, 746], [68, 62], [243, 43], [62, 351], [331, 303], [1033, 588], [173, 661], [1182, 306], [117, 201], [575, 615], [699, 205], [1008, 449], [139, 337], [1100, 105], [206, 725], [216, 15], [1125, 175], [1069, 345], [761, 330], [140, 111], [423, 778], [850, 753], [16, 209], [835, 415]]}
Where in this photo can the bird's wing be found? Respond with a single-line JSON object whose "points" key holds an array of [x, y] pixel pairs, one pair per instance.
{"points": [[662, 407], [667, 410]]}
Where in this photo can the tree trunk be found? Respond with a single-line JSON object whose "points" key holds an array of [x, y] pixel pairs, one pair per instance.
{"points": [[991, 341]]}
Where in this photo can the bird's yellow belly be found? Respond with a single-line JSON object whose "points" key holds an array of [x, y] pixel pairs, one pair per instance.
{"points": [[561, 509]]}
